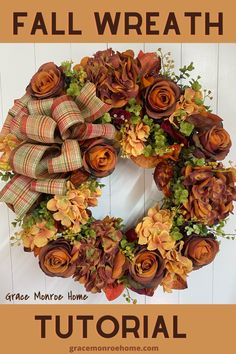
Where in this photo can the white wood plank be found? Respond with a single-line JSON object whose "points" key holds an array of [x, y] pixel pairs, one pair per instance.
{"points": [[80, 50], [17, 67], [17, 64], [224, 275], [5, 249], [205, 59], [56, 52]]}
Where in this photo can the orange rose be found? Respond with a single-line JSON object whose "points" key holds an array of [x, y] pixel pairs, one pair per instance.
{"points": [[56, 259], [47, 82], [147, 269], [161, 98], [215, 143], [100, 158], [201, 250]]}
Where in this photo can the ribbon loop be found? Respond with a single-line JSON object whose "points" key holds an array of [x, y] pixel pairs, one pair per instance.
{"points": [[66, 114], [31, 160], [40, 107], [90, 105], [69, 160], [39, 128], [20, 104]]}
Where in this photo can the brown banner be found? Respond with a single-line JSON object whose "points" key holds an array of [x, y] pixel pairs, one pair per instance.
{"points": [[178, 329], [117, 21]]}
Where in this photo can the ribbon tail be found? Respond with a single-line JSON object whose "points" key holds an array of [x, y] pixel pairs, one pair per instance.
{"points": [[17, 194]]}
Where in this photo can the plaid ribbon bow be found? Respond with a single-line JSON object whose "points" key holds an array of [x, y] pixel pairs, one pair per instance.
{"points": [[50, 130]]}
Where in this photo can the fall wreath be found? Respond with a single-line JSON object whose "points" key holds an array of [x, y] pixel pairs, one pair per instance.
{"points": [[67, 132]]}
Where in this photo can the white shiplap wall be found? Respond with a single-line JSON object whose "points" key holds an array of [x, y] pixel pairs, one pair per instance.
{"points": [[129, 190]]}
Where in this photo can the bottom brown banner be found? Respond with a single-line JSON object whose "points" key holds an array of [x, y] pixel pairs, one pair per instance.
{"points": [[61, 329]]}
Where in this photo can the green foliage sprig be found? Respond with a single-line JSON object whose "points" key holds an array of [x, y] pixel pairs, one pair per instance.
{"points": [[6, 176], [128, 248], [75, 79]]}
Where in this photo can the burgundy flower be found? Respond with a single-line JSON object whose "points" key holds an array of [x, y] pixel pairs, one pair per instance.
{"points": [[173, 133], [119, 116]]}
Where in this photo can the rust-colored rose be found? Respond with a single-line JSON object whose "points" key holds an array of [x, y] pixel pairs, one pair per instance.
{"points": [[161, 98], [201, 250], [147, 269], [214, 143], [47, 82], [56, 259], [100, 158]]}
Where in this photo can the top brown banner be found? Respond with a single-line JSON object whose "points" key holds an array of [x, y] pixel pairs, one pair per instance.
{"points": [[117, 21]]}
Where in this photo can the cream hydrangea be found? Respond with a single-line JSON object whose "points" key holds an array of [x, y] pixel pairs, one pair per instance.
{"points": [[154, 230], [71, 209], [133, 139]]}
